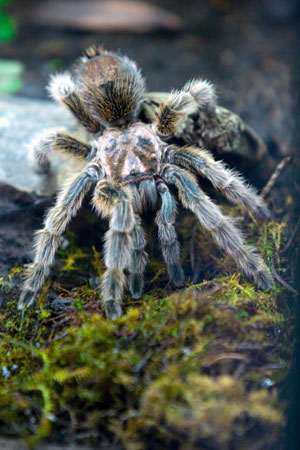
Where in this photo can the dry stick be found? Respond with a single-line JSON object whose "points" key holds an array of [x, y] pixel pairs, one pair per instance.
{"points": [[290, 241], [274, 176], [263, 193], [281, 280]]}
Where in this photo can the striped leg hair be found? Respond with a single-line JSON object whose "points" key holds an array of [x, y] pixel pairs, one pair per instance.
{"points": [[47, 240], [55, 141], [116, 203], [167, 235], [138, 260], [228, 181], [224, 232]]}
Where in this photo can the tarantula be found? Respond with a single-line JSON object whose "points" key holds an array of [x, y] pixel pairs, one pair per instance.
{"points": [[129, 164]]}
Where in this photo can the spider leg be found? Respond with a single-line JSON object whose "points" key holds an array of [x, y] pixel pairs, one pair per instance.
{"points": [[202, 91], [138, 260], [195, 94], [229, 182], [62, 89], [116, 203], [56, 141], [148, 193], [47, 240], [172, 112], [223, 231], [167, 234]]}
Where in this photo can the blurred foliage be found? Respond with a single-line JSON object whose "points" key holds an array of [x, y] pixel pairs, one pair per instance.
{"points": [[11, 76], [8, 28]]}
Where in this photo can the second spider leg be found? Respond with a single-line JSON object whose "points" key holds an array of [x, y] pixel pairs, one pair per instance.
{"points": [[195, 94], [138, 260], [56, 141], [167, 234], [172, 112], [116, 203], [62, 88], [47, 240], [228, 181], [224, 233]]}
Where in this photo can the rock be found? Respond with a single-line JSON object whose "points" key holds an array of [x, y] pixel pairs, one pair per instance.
{"points": [[106, 16], [20, 121]]}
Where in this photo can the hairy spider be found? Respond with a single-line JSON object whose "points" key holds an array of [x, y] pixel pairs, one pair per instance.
{"points": [[129, 165]]}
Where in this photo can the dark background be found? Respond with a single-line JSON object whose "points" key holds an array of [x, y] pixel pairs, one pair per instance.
{"points": [[248, 49]]}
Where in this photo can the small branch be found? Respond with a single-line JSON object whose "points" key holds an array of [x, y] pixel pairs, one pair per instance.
{"points": [[274, 176], [281, 280], [292, 237]]}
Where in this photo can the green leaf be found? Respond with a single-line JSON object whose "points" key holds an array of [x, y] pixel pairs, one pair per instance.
{"points": [[5, 3], [7, 27], [11, 73]]}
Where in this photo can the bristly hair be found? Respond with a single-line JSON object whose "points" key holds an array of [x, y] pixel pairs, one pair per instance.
{"points": [[172, 112], [92, 51], [110, 85], [116, 99]]}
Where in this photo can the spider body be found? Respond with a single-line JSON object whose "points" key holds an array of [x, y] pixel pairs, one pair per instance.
{"points": [[129, 152], [129, 168]]}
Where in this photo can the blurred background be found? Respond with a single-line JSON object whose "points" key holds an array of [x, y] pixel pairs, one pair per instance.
{"points": [[247, 48]]}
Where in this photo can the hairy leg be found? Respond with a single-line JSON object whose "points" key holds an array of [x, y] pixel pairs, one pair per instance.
{"points": [[138, 260], [148, 193], [136, 198], [223, 231], [116, 203], [62, 89], [167, 234], [56, 141], [229, 182], [195, 94], [47, 240]]}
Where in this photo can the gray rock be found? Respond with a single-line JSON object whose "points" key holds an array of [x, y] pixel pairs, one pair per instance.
{"points": [[20, 121]]}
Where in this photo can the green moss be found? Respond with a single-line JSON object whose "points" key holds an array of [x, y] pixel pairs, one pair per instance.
{"points": [[188, 367]]}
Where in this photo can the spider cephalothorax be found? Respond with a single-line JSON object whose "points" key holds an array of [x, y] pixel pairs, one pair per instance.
{"points": [[129, 167]]}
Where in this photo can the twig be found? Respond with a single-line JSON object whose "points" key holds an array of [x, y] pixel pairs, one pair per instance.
{"points": [[271, 366], [281, 280], [225, 356], [56, 338], [274, 176], [292, 237]]}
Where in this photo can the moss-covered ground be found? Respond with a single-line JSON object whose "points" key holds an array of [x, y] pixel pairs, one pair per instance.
{"points": [[198, 367]]}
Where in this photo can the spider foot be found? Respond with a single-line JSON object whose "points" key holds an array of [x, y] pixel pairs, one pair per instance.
{"points": [[136, 285], [263, 213], [27, 299], [264, 280], [176, 274], [61, 85], [113, 310]]}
